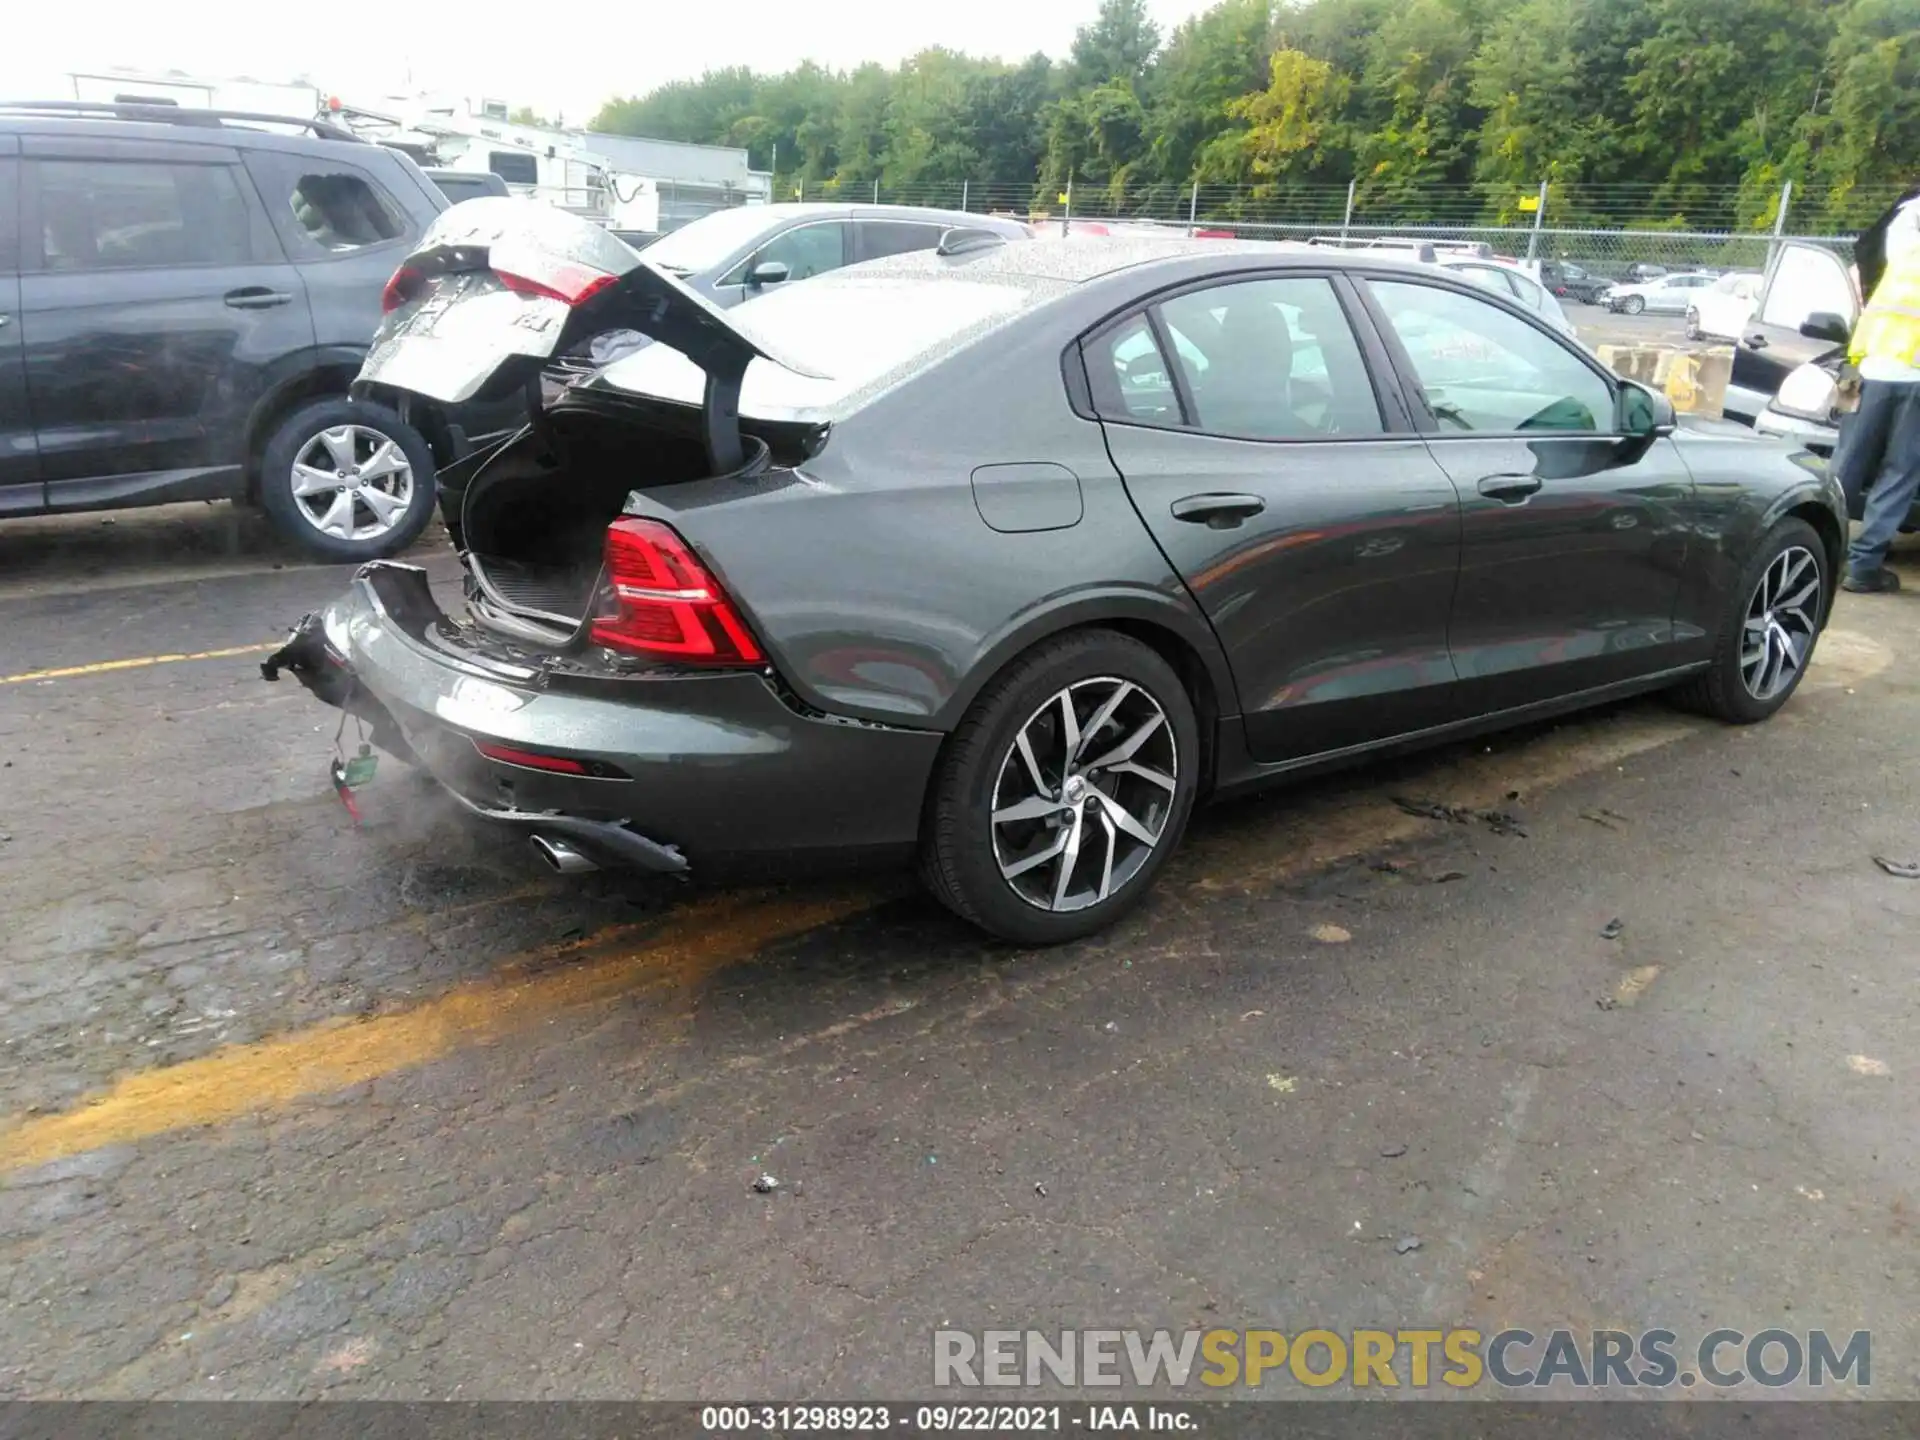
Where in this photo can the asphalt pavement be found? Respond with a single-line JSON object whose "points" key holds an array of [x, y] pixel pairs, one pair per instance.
{"points": [[295, 1109]]}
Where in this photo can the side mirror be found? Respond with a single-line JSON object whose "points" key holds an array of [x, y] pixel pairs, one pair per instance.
{"points": [[767, 272], [1825, 325], [1643, 413]]}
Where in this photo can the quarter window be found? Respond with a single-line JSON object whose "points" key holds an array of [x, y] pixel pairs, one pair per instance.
{"points": [[114, 215], [1483, 369], [340, 211], [896, 237]]}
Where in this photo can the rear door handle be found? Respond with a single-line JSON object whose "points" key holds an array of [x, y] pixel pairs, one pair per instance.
{"points": [[1217, 512], [256, 297], [1509, 489]]}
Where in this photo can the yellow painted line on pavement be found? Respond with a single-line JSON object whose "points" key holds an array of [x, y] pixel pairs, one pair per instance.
{"points": [[695, 941], [1262, 848], [105, 667]]}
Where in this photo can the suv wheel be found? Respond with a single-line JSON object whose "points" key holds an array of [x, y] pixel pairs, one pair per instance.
{"points": [[1064, 790], [347, 481]]}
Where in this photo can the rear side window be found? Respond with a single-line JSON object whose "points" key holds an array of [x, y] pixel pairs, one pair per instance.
{"points": [[126, 215], [895, 237], [340, 211]]}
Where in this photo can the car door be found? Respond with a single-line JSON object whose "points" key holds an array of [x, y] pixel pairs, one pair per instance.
{"points": [[1802, 281], [1310, 524], [810, 248], [20, 488], [154, 300], [1573, 534]]}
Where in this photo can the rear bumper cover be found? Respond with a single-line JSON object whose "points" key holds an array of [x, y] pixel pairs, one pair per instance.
{"points": [[711, 767]]}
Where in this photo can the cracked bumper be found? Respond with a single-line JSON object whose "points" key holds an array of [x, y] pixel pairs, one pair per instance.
{"points": [[688, 768]]}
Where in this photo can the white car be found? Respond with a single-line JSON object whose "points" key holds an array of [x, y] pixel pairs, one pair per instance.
{"points": [[1516, 284], [1669, 295], [1721, 311]]}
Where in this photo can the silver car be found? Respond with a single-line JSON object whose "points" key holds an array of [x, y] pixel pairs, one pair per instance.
{"points": [[1668, 295], [1515, 283]]}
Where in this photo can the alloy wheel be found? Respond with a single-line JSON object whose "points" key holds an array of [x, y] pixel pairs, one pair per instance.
{"points": [[1779, 630], [352, 482], [1084, 793]]}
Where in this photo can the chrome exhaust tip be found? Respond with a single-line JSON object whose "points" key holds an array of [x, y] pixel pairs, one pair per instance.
{"points": [[560, 855]]}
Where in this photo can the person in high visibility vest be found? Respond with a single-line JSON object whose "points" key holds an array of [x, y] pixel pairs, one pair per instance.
{"points": [[1881, 449]]}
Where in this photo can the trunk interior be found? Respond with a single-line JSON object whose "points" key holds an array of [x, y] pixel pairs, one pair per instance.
{"points": [[534, 521]]}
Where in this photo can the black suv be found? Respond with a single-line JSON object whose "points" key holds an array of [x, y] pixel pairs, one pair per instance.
{"points": [[185, 296]]}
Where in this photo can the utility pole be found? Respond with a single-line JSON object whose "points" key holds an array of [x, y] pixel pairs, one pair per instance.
{"points": [[1539, 219]]}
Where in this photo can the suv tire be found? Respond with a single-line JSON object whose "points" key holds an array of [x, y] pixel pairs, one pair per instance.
{"points": [[385, 471], [1136, 765], [1772, 595]]}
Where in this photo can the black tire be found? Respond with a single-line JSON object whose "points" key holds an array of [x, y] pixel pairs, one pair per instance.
{"points": [[1721, 690], [301, 429], [1634, 304], [957, 853]]}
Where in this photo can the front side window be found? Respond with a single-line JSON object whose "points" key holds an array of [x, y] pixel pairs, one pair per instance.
{"points": [[806, 250], [116, 215], [340, 211], [1483, 369], [1271, 359]]}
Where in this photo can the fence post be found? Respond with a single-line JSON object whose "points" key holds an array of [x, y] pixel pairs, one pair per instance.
{"points": [[1346, 219], [876, 189], [963, 195], [1780, 221], [1066, 217], [1193, 210], [1539, 219]]}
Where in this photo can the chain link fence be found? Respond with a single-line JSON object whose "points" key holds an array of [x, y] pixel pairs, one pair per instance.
{"points": [[1447, 216]]}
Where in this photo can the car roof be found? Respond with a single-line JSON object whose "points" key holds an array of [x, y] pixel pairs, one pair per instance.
{"points": [[781, 211], [1081, 260], [192, 128]]}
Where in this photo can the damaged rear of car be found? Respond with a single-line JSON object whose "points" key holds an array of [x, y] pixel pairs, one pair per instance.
{"points": [[608, 691]]}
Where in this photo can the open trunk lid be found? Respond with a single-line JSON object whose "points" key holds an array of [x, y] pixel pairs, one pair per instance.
{"points": [[498, 288]]}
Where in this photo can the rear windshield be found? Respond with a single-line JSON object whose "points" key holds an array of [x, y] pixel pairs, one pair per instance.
{"points": [[854, 329]]}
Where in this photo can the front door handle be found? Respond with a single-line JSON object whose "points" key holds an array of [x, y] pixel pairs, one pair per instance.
{"points": [[1509, 489], [1217, 512], [256, 297], [1756, 341]]}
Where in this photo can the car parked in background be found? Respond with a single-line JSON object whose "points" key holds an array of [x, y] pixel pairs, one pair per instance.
{"points": [[1665, 295], [1573, 282], [458, 185], [188, 295], [729, 255], [1720, 311], [1511, 280], [1005, 556]]}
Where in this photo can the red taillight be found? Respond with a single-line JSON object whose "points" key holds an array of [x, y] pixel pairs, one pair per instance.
{"points": [[529, 759], [405, 285], [667, 606], [563, 281]]}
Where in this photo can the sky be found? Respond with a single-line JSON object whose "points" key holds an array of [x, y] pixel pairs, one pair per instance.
{"points": [[558, 58]]}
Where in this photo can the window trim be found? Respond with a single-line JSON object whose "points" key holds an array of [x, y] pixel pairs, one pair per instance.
{"points": [[1425, 420], [739, 267], [33, 230], [1396, 416]]}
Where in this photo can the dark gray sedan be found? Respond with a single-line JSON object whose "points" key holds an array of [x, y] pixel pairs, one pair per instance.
{"points": [[1004, 558]]}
